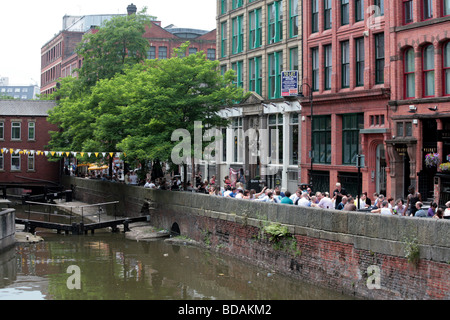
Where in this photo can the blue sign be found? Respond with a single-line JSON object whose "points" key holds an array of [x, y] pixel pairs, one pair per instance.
{"points": [[289, 83]]}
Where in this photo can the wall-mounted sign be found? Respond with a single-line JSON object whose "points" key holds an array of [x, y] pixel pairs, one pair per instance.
{"points": [[289, 83], [401, 149]]}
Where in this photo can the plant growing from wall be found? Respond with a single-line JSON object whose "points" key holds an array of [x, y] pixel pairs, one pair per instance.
{"points": [[412, 250], [281, 238]]}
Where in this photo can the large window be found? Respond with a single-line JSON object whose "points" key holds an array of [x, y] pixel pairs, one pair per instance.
{"points": [[359, 10], [223, 39], [351, 124], [359, 70], [15, 162], [293, 18], [328, 66], [345, 64], [294, 132], [237, 35], [2, 130], [31, 130], [31, 162], [276, 138], [162, 52], [327, 14], [255, 28], [446, 68], [315, 68], [379, 58], [293, 58], [236, 4], [275, 16], [255, 75], [223, 6], [238, 140], [275, 68], [428, 71], [15, 130], [445, 7], [322, 139], [427, 9], [2, 162], [380, 5], [344, 12], [314, 16], [239, 70], [409, 74], [407, 11]]}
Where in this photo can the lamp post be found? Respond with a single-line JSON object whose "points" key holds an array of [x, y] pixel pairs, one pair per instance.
{"points": [[312, 139]]}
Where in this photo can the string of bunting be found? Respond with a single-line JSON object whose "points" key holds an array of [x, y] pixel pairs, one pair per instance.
{"points": [[60, 153]]}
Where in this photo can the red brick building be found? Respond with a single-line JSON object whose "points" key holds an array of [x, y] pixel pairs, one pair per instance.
{"points": [[420, 96], [346, 52], [25, 131]]}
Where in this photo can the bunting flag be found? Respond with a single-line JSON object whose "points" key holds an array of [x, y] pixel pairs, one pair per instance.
{"points": [[5, 150]]}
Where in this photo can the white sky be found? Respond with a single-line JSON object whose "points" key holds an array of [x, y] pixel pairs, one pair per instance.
{"points": [[26, 25]]}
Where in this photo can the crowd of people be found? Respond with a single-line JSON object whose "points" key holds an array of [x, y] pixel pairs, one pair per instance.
{"points": [[340, 199]]}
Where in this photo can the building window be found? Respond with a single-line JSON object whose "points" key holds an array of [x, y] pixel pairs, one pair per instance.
{"points": [[327, 15], [446, 7], [239, 71], [380, 5], [15, 130], [379, 58], [151, 53], [255, 75], [15, 162], [315, 68], [351, 124], [359, 10], [224, 145], [359, 48], [211, 54], [427, 9], [223, 39], [404, 129], [428, 71], [224, 6], [345, 64], [293, 18], [31, 162], [322, 139], [31, 130], [314, 16], [446, 67], [344, 12], [275, 68], [2, 131], [2, 162], [294, 132], [293, 59], [238, 139], [275, 17], [276, 138], [162, 52], [237, 35], [407, 11], [236, 4], [255, 25], [328, 66], [409, 74], [192, 51]]}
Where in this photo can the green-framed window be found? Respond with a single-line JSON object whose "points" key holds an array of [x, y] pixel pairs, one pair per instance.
{"points": [[223, 6], [237, 4], [275, 64], [255, 29], [293, 18], [351, 126], [322, 139], [275, 22], [255, 75], [238, 68], [223, 39], [237, 34]]}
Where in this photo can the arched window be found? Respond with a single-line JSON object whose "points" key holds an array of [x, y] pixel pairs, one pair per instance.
{"points": [[428, 71], [446, 67], [408, 74]]}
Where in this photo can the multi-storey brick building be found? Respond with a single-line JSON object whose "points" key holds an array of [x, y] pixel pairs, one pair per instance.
{"points": [[420, 96], [259, 40], [24, 130]]}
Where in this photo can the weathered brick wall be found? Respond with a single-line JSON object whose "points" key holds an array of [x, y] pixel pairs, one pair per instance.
{"points": [[333, 249]]}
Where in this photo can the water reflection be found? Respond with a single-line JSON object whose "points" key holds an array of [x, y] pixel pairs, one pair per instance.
{"points": [[113, 268]]}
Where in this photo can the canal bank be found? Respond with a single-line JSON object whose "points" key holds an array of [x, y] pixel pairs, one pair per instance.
{"points": [[7, 225], [362, 254]]}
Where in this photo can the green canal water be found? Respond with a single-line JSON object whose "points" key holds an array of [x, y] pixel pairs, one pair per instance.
{"points": [[111, 267]]}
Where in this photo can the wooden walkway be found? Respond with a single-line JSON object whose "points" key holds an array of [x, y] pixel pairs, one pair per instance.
{"points": [[81, 217]]}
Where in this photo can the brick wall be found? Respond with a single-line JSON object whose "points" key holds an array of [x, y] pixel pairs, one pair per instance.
{"points": [[332, 249]]}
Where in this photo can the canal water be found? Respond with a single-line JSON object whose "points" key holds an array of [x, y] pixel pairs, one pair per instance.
{"points": [[107, 266]]}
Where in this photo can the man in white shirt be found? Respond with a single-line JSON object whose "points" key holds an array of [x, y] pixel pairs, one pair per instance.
{"points": [[304, 200], [326, 202], [149, 184]]}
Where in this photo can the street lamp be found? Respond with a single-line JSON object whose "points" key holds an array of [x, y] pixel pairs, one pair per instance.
{"points": [[312, 140]]}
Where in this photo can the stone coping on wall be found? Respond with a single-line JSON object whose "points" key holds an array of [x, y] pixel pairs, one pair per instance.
{"points": [[366, 231]]}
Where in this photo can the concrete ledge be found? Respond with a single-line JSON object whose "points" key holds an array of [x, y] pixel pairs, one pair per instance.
{"points": [[7, 228]]}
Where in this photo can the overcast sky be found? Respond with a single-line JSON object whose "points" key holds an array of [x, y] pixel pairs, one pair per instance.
{"points": [[26, 25]]}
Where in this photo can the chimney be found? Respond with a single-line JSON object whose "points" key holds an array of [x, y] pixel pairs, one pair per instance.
{"points": [[131, 9]]}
